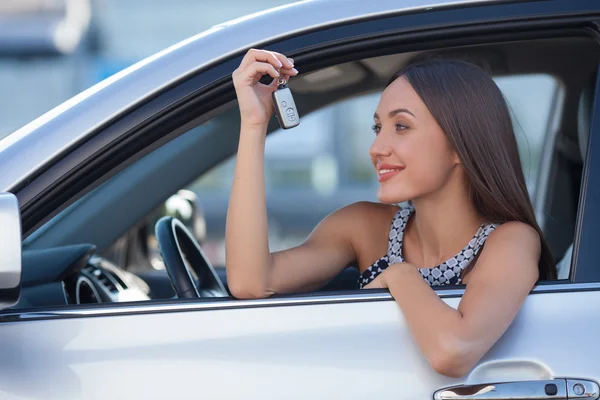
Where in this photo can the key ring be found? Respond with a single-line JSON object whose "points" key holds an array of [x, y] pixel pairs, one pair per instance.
{"points": [[281, 82]]}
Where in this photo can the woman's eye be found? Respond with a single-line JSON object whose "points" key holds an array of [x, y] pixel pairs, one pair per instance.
{"points": [[399, 127]]}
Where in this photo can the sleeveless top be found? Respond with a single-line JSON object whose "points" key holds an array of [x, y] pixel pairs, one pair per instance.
{"points": [[447, 273]]}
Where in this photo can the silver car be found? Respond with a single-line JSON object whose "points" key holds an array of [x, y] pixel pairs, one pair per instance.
{"points": [[87, 311]]}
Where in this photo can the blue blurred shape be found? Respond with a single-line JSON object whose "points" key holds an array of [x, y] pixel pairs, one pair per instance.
{"points": [[42, 27]]}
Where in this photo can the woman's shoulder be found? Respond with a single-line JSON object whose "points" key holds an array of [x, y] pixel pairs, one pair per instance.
{"points": [[514, 232], [368, 211], [512, 244], [512, 249], [366, 226], [363, 218]]}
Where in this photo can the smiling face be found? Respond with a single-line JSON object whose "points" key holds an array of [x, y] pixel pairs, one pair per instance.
{"points": [[411, 153]]}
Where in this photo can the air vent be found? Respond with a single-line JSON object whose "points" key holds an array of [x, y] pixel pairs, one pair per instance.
{"points": [[85, 293], [104, 277]]}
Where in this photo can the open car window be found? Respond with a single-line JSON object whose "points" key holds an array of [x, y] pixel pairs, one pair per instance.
{"points": [[324, 164], [318, 167]]}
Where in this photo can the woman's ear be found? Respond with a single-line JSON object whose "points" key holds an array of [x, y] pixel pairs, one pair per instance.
{"points": [[456, 158]]}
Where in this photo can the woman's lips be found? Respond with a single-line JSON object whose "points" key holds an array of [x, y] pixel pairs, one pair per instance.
{"points": [[387, 173]]}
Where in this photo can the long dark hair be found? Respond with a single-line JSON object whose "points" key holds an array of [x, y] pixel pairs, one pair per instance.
{"points": [[471, 110]]}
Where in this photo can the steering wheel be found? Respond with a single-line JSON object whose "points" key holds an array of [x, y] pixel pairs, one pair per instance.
{"points": [[179, 249]]}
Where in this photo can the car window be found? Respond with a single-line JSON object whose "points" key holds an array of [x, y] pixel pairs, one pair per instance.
{"points": [[530, 98], [323, 164], [311, 170]]}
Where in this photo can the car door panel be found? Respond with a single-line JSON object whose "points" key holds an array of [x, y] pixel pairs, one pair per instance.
{"points": [[267, 349]]}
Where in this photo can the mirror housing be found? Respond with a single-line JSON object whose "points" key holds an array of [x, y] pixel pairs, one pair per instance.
{"points": [[10, 250]]}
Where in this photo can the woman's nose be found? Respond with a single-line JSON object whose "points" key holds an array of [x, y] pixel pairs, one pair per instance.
{"points": [[380, 147]]}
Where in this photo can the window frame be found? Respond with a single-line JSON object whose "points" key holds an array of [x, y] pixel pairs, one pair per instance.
{"points": [[585, 248]]}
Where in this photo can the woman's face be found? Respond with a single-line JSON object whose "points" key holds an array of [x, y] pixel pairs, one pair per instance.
{"points": [[411, 154]]}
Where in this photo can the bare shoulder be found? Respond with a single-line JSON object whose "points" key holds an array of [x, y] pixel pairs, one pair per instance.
{"points": [[512, 249], [358, 224], [515, 234], [364, 226], [371, 209], [366, 215]]}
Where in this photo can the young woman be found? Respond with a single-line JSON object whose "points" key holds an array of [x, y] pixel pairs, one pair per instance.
{"points": [[444, 144]]}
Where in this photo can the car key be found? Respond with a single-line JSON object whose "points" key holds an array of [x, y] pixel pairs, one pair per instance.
{"points": [[285, 108]]}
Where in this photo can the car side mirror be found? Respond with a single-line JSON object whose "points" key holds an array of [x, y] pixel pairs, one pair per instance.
{"points": [[10, 250]]}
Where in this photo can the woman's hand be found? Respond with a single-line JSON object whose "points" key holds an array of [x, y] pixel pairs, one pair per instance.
{"points": [[390, 274], [254, 98]]}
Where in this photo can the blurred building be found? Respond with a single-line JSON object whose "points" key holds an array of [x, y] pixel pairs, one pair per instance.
{"points": [[51, 50]]}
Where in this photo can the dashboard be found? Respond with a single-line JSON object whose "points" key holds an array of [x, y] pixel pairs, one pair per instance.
{"points": [[101, 281], [76, 275]]}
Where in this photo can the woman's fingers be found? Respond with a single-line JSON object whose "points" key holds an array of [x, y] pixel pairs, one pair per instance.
{"points": [[262, 62], [275, 59], [285, 62], [287, 73], [262, 69]]}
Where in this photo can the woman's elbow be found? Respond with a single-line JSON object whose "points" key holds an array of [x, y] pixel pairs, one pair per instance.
{"points": [[246, 291], [241, 287], [449, 367], [452, 361]]}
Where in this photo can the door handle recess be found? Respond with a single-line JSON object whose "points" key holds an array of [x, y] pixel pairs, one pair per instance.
{"points": [[522, 390]]}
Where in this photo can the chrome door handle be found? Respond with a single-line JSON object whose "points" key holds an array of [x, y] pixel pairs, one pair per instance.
{"points": [[526, 390]]}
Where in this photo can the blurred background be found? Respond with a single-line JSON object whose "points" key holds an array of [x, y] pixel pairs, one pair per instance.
{"points": [[50, 50]]}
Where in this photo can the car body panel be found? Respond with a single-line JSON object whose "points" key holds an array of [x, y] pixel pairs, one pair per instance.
{"points": [[350, 349]]}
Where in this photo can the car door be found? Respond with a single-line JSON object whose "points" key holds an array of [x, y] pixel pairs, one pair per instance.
{"points": [[353, 344]]}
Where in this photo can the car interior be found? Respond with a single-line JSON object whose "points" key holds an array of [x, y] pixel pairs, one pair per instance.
{"points": [[91, 252]]}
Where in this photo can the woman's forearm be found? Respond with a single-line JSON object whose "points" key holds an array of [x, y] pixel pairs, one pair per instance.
{"points": [[434, 325], [246, 238]]}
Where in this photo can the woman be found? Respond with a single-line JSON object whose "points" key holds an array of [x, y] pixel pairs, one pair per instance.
{"points": [[443, 142]]}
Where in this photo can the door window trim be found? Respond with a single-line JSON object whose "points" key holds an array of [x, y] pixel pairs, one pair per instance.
{"points": [[553, 129], [228, 303], [584, 265]]}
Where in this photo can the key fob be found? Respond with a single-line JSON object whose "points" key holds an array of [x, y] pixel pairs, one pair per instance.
{"points": [[285, 108]]}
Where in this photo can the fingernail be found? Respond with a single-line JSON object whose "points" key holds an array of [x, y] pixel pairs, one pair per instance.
{"points": [[279, 63], [295, 70], [291, 60]]}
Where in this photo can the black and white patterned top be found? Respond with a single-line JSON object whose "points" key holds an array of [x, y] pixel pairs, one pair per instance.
{"points": [[447, 273]]}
